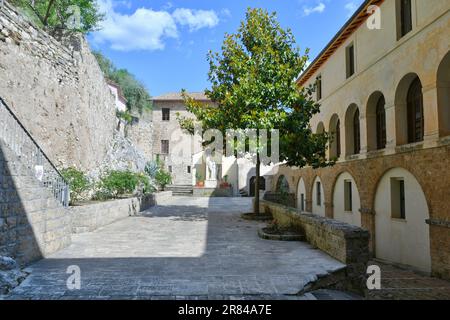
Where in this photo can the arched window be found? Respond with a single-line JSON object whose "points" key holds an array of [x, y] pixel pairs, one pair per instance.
{"points": [[381, 123], [356, 133], [337, 136], [282, 185], [415, 112]]}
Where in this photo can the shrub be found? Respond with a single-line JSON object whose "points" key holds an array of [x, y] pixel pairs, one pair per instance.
{"points": [[117, 183], [157, 174], [78, 183], [145, 186], [163, 178]]}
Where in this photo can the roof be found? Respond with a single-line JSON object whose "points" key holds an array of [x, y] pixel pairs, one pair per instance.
{"points": [[176, 96], [358, 18], [119, 90]]}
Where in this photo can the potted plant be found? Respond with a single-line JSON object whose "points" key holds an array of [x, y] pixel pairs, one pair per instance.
{"points": [[225, 184], [200, 181]]}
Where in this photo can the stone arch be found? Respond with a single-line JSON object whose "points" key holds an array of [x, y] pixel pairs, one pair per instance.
{"points": [[352, 130], [320, 128], [335, 128], [318, 197], [346, 199], [376, 121], [282, 184], [252, 185], [401, 210], [443, 92], [403, 125], [301, 195]]}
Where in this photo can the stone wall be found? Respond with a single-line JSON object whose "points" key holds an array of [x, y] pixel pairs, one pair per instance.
{"points": [[57, 91], [141, 133], [91, 217], [342, 241], [32, 223]]}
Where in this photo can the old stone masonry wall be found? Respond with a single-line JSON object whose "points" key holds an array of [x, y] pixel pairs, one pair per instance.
{"points": [[57, 91]]}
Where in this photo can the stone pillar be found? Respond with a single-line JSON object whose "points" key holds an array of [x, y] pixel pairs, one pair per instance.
{"points": [[308, 205], [368, 223], [391, 128], [363, 133], [430, 112], [329, 210]]}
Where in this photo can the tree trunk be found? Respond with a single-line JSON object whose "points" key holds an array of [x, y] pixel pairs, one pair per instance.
{"points": [[258, 173], [47, 14]]}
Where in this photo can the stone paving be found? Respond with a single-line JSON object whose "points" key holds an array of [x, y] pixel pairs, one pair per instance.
{"points": [[403, 284], [190, 248]]}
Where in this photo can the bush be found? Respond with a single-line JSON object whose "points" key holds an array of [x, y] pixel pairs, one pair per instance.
{"points": [[163, 178], [144, 186], [157, 174], [78, 183], [117, 183]]}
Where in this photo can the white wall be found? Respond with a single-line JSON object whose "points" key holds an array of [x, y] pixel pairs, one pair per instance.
{"points": [[351, 217], [316, 209], [301, 190], [402, 241]]}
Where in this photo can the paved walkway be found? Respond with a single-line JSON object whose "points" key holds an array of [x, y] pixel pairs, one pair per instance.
{"points": [[190, 248]]}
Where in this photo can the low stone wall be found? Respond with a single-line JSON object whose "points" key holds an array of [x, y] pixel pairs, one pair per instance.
{"points": [[346, 243], [91, 217], [287, 199], [213, 192]]}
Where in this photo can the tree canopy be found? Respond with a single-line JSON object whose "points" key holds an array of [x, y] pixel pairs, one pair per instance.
{"points": [[134, 91], [74, 15], [253, 86]]}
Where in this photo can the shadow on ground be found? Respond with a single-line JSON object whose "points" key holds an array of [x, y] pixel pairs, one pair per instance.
{"points": [[192, 247]]}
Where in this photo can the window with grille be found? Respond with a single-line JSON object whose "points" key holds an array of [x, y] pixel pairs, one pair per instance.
{"points": [[166, 114], [164, 146], [350, 55]]}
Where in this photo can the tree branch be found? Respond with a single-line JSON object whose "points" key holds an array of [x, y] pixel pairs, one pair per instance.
{"points": [[47, 14]]}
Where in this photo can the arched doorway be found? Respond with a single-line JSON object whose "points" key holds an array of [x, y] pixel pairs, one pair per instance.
{"points": [[346, 201], [301, 195], [409, 115], [376, 122], [352, 130], [262, 185], [335, 132], [318, 197], [401, 233], [443, 91]]}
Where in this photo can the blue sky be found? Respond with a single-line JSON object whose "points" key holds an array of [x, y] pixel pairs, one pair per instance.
{"points": [[165, 43]]}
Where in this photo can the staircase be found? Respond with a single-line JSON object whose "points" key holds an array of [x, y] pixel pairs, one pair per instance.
{"points": [[181, 190], [34, 195], [243, 193]]}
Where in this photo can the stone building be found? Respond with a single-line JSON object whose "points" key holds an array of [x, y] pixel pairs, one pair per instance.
{"points": [[120, 100], [187, 163], [385, 98]]}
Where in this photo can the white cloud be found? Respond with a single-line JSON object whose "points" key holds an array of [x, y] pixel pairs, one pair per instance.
{"points": [[319, 8], [351, 8], [196, 19], [147, 29], [226, 13]]}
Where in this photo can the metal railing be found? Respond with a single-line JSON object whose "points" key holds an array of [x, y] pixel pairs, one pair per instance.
{"points": [[20, 141]]}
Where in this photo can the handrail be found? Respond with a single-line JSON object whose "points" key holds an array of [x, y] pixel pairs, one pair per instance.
{"points": [[33, 154]]}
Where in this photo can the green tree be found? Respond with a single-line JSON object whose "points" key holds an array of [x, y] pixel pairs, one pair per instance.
{"points": [[253, 84], [134, 91], [75, 15]]}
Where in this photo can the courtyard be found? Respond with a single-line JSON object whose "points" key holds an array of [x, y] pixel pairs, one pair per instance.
{"points": [[189, 248]]}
